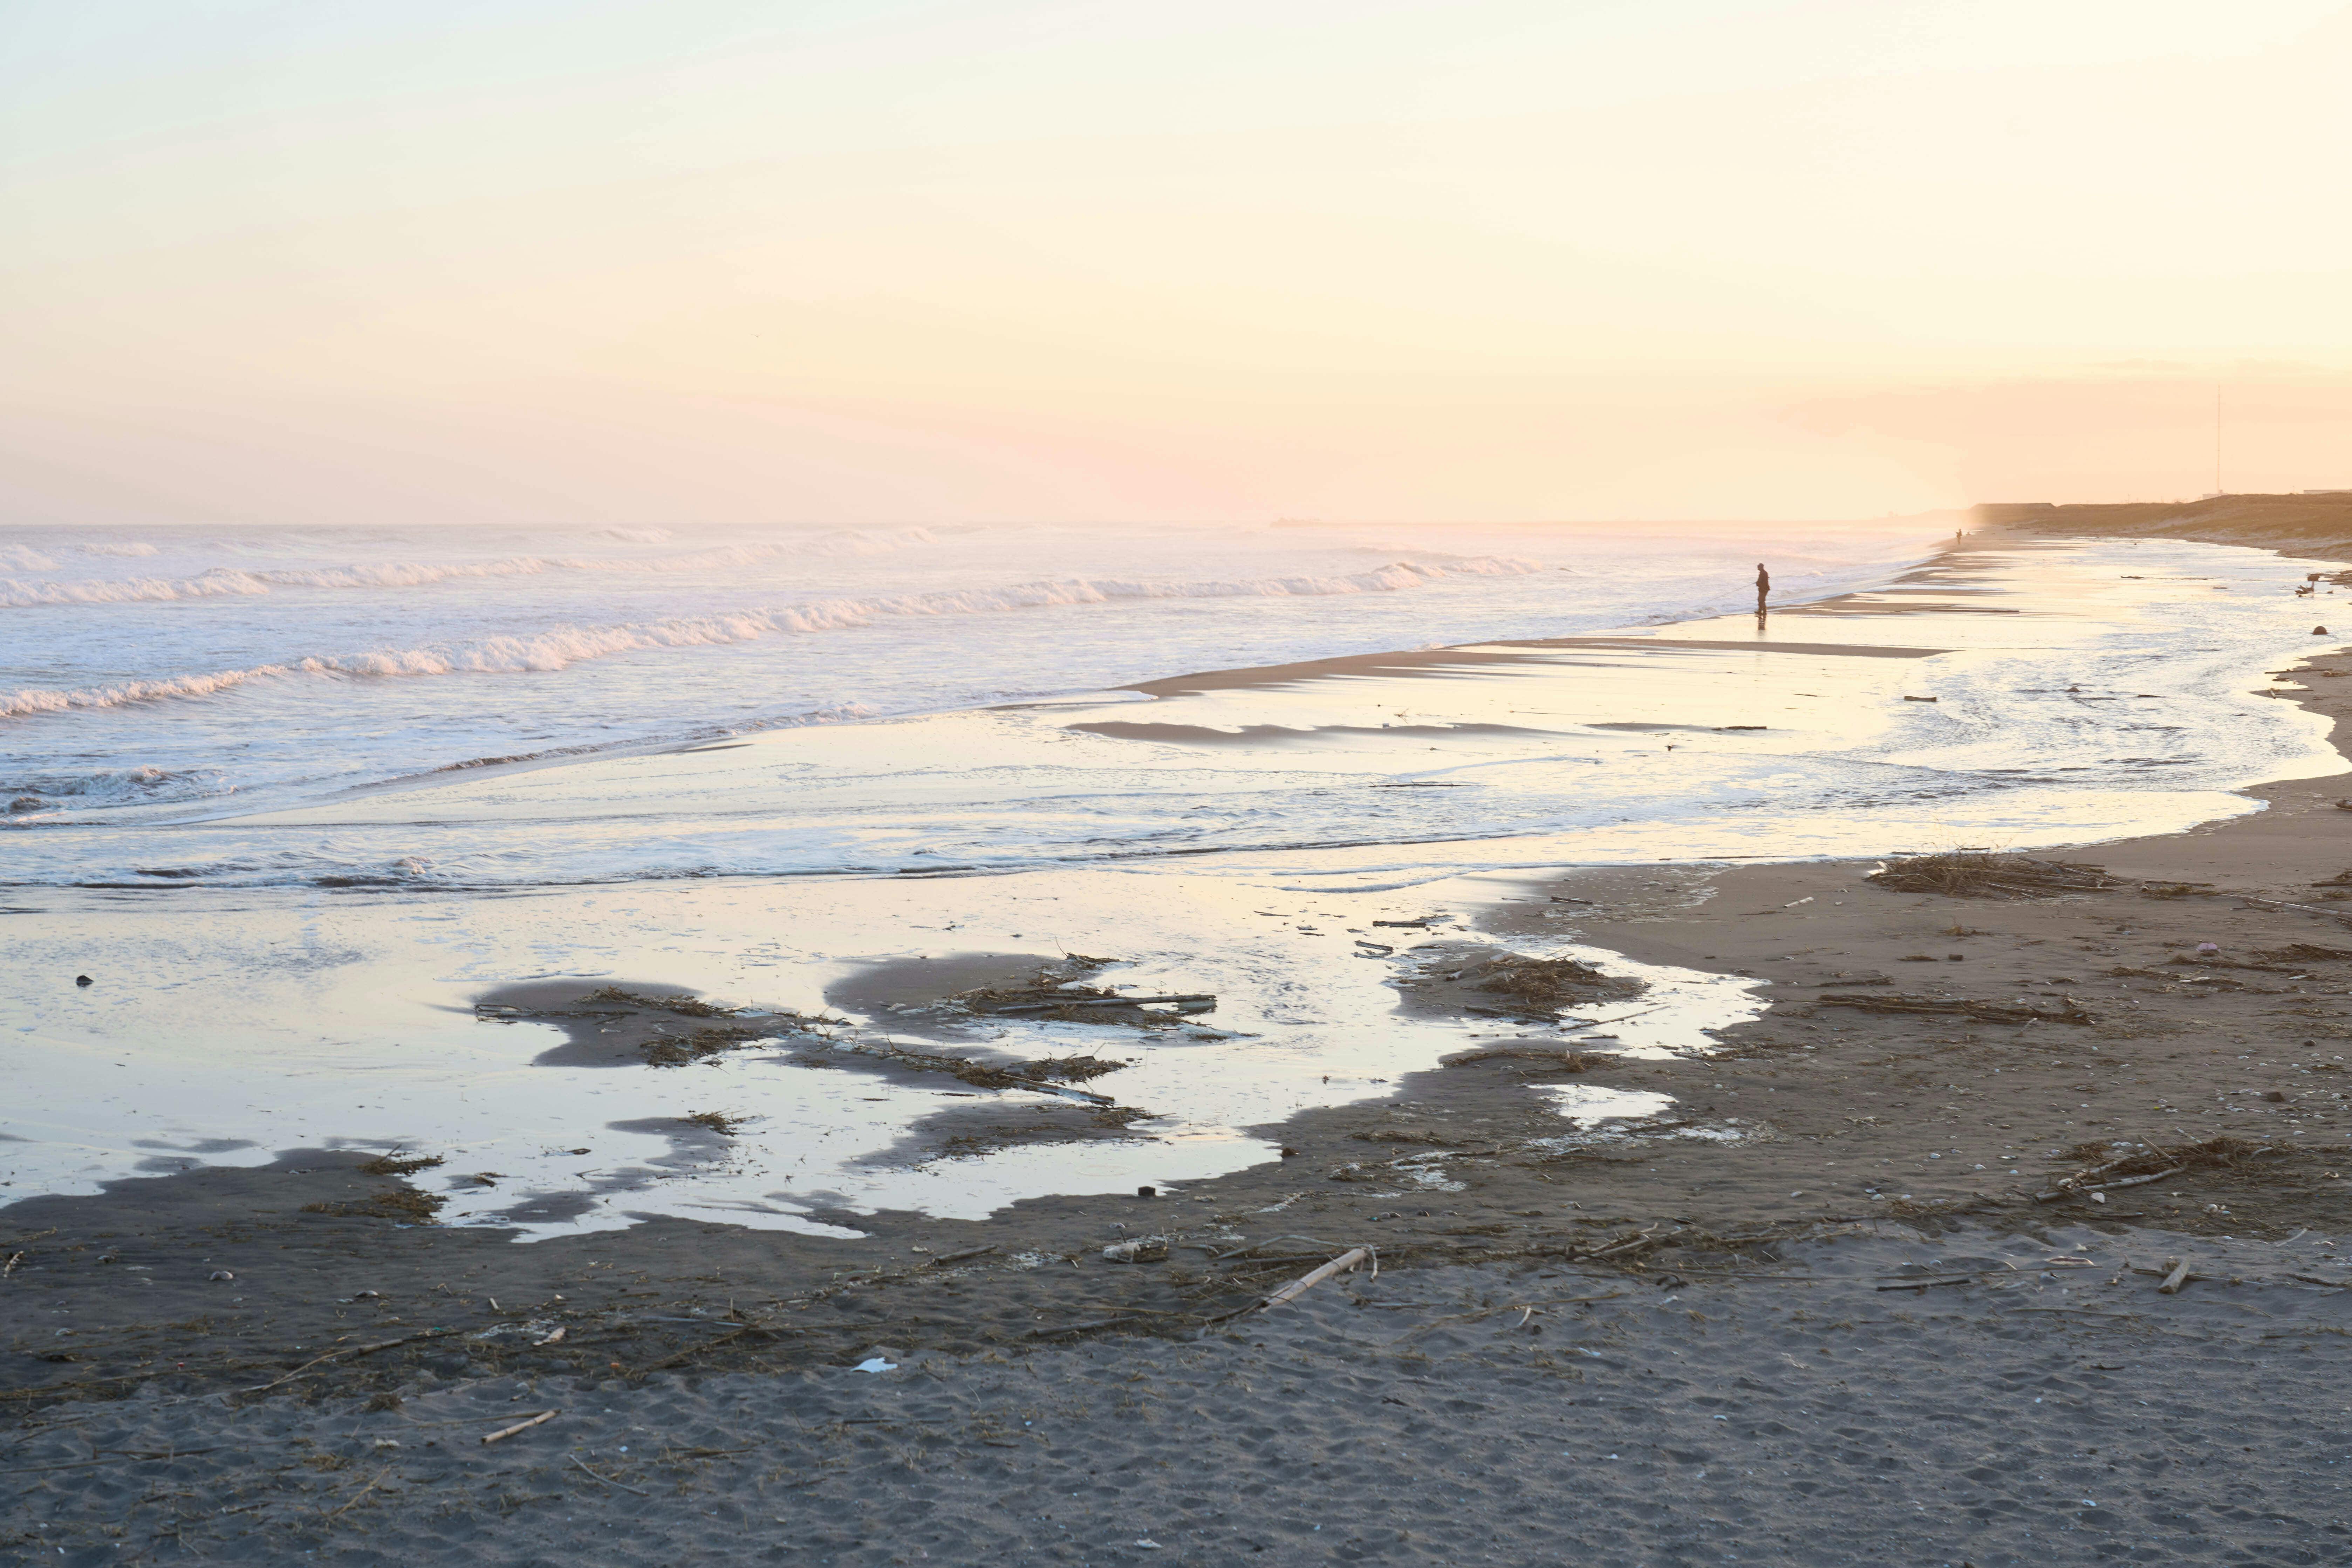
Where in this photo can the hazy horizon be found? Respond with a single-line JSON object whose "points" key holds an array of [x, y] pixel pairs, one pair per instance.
{"points": [[1697, 262]]}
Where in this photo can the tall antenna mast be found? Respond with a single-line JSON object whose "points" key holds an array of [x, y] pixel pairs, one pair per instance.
{"points": [[2217, 437]]}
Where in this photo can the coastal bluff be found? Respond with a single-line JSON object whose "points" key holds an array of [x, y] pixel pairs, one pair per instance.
{"points": [[2311, 522]]}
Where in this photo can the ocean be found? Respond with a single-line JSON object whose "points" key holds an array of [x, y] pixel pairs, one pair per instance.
{"points": [[297, 802]]}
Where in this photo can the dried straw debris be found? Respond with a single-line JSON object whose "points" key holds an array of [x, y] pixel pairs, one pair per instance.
{"points": [[1968, 874]]}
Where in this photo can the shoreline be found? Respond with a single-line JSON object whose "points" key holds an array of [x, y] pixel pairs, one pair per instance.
{"points": [[1467, 1179]]}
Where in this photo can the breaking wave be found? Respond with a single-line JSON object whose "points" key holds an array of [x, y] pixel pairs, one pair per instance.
{"points": [[564, 645], [129, 549], [238, 582]]}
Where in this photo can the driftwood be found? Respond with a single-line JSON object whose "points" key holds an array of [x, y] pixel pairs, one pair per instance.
{"points": [[503, 1433], [2174, 1280], [606, 1480], [355, 1350], [1355, 1257], [2074, 1187]]}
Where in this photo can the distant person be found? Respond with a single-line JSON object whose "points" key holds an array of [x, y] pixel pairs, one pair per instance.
{"points": [[1763, 586]]}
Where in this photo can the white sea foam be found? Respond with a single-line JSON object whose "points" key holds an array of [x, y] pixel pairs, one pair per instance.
{"points": [[25, 559], [238, 582], [124, 549], [563, 646]]}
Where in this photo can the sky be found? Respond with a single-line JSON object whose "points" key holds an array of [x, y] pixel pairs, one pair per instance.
{"points": [[474, 261]]}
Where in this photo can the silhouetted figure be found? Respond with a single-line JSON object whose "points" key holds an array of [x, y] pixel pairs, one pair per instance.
{"points": [[1763, 586]]}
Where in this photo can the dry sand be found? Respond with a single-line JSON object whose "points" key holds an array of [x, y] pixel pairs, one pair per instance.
{"points": [[2041, 1404], [1742, 1236]]}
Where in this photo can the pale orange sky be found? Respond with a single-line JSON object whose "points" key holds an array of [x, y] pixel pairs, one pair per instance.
{"points": [[837, 263]]}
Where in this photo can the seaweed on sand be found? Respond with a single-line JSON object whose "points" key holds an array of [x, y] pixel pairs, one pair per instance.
{"points": [[1049, 996], [2220, 1152], [1553, 1060], [680, 1050], [1969, 874], [398, 1164], [683, 1005], [405, 1204], [1545, 985]]}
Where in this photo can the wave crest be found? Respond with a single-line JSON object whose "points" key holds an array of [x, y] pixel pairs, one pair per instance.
{"points": [[566, 646], [233, 581]]}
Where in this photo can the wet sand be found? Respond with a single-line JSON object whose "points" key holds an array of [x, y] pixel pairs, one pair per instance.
{"points": [[1743, 1237]]}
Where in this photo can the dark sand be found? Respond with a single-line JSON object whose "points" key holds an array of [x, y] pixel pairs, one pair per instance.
{"points": [[1862, 1426]]}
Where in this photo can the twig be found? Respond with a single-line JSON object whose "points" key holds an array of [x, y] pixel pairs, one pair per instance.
{"points": [[2175, 1279], [608, 1481], [1931, 1284], [1527, 1309], [959, 1256], [679, 1355], [361, 1493], [1353, 1257], [503, 1433], [356, 1350], [2065, 1189]]}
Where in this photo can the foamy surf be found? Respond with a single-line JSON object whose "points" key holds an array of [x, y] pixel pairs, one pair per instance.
{"points": [[562, 648], [251, 583]]}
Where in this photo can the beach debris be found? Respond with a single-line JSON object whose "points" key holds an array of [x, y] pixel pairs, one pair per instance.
{"points": [[1931, 700], [2303, 952], [220, 1274], [1194, 1002], [556, 1338], [678, 1051], [1051, 994], [83, 980], [2209, 947], [1146, 1191], [1142, 1249], [678, 1003], [343, 1354], [1542, 987], [399, 1164], [503, 1433], [606, 1481], [1423, 923], [717, 1121], [1555, 1060], [981, 1075], [1354, 1258], [876, 1364], [2319, 631], [1982, 1012], [1964, 874], [2176, 1276], [405, 1206]]}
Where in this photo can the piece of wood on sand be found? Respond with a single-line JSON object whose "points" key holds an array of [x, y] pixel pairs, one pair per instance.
{"points": [[2176, 1276], [1354, 1258], [503, 1433]]}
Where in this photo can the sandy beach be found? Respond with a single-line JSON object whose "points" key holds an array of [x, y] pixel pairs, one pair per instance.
{"points": [[1873, 1273]]}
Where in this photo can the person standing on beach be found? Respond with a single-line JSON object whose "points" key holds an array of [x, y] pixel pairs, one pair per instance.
{"points": [[1763, 586]]}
